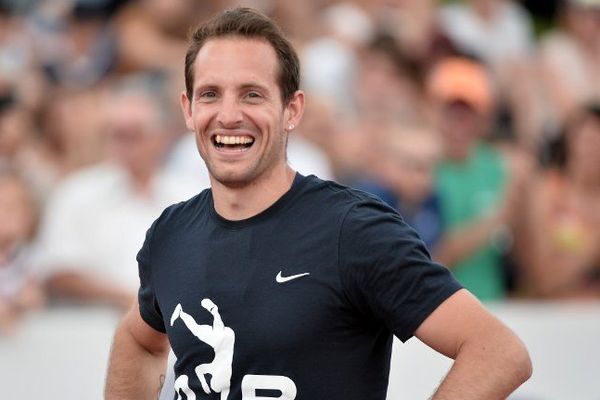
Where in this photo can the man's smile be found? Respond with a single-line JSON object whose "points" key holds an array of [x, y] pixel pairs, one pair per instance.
{"points": [[239, 143]]}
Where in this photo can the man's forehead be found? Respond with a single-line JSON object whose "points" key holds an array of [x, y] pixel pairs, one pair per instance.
{"points": [[235, 41], [249, 57]]}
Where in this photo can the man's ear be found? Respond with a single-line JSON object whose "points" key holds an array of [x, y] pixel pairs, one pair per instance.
{"points": [[186, 107], [293, 111]]}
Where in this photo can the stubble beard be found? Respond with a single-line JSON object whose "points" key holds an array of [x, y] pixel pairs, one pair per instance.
{"points": [[260, 169]]}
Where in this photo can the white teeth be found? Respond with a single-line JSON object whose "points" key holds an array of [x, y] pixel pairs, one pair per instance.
{"points": [[233, 139]]}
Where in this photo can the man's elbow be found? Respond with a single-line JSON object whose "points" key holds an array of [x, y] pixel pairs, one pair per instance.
{"points": [[519, 357]]}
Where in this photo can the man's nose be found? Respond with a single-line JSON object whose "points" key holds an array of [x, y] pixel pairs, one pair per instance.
{"points": [[230, 113]]}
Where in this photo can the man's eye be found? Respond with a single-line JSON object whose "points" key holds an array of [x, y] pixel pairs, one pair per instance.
{"points": [[253, 95], [207, 95]]}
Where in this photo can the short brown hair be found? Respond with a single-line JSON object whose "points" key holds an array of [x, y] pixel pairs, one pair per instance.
{"points": [[246, 23]]}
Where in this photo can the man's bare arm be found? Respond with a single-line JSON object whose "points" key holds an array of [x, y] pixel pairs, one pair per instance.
{"points": [[490, 360], [137, 361]]}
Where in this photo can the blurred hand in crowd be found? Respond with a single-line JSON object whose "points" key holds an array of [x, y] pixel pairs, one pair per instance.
{"points": [[19, 289]]}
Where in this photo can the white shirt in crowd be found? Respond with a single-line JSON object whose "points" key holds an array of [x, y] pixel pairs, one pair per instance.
{"points": [[96, 222]]}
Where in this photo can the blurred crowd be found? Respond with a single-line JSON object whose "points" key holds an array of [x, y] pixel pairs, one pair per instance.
{"points": [[479, 120]]}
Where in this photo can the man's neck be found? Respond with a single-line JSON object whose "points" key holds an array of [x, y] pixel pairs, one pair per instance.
{"points": [[244, 202]]}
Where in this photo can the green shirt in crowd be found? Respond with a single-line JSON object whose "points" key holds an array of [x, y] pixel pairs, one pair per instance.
{"points": [[468, 190]]}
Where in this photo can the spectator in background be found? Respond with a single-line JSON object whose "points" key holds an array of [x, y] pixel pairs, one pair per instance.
{"points": [[19, 70], [387, 90], [404, 176], [321, 129], [500, 33], [152, 34], [299, 19], [389, 86], [415, 27], [563, 260], [71, 131], [96, 220], [19, 289], [478, 195], [330, 61], [496, 31], [570, 60], [20, 147], [74, 41]]}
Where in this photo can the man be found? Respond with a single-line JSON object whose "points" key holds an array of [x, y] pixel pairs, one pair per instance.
{"points": [[96, 219], [310, 278]]}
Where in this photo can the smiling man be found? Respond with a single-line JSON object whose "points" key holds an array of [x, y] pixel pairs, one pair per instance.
{"points": [[292, 286]]}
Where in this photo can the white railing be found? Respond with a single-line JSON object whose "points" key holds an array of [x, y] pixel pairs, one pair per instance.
{"points": [[62, 354]]}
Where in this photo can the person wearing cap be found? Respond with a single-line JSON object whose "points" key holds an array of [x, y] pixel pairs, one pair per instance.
{"points": [[478, 203]]}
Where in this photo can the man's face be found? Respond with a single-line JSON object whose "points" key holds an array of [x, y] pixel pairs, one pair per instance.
{"points": [[236, 110]]}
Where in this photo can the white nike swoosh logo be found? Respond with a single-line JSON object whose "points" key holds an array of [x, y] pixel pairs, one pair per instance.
{"points": [[283, 279]]}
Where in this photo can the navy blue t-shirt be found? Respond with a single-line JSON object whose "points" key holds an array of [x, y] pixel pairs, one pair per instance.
{"points": [[298, 302]]}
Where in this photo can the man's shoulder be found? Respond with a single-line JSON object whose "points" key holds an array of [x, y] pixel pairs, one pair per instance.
{"points": [[187, 209], [341, 198]]}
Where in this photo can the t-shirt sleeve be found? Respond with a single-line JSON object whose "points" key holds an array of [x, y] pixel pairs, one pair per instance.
{"points": [[387, 271], [149, 309]]}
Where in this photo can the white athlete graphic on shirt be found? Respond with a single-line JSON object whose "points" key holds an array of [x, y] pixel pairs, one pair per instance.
{"points": [[221, 339]]}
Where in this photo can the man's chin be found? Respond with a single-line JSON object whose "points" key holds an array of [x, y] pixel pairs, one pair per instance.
{"points": [[231, 179]]}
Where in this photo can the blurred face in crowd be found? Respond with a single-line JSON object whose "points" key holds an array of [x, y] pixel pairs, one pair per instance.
{"points": [[15, 130], [16, 214], [136, 137], [584, 22], [236, 110], [584, 147], [460, 126], [485, 8], [175, 16], [410, 156], [461, 97], [384, 89], [63, 122]]}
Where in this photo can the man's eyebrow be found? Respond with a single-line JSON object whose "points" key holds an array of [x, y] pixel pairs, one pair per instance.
{"points": [[207, 86], [254, 85]]}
